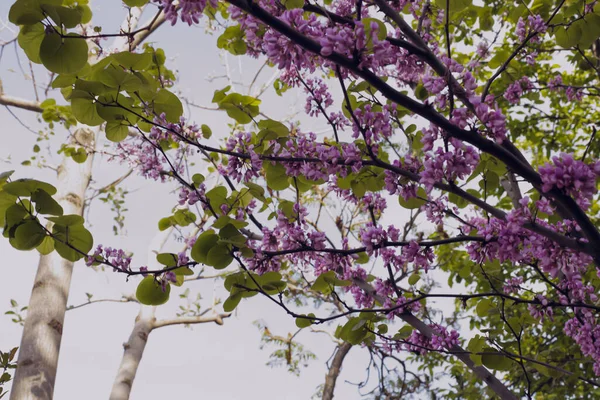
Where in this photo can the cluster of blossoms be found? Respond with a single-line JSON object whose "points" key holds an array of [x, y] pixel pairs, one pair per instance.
{"points": [[318, 97], [512, 285], [146, 155], [585, 330], [441, 339], [190, 11], [395, 184], [449, 166], [191, 197], [117, 258], [507, 240], [238, 168], [516, 89], [574, 177], [536, 25]]}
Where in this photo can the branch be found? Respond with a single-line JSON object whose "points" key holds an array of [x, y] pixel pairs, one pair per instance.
{"points": [[482, 373], [334, 370], [125, 299], [567, 206], [216, 318], [28, 105]]}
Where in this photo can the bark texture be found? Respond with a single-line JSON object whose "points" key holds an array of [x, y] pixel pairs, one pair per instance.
{"points": [[134, 350], [334, 370], [40, 344]]}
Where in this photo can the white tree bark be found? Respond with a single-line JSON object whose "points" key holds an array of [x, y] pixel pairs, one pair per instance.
{"points": [[37, 363], [40, 344], [134, 350]]}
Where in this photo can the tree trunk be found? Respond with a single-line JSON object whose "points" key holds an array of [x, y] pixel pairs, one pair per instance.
{"points": [[334, 371], [40, 344], [134, 350], [37, 363]]}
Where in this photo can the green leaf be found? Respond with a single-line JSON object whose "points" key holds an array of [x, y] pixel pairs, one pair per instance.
{"points": [[291, 4], [45, 204], [6, 200], [67, 220], [79, 155], [404, 332], [47, 246], [198, 179], [495, 361], [206, 131], [232, 302], [115, 77], [133, 61], [72, 242], [84, 108], [270, 129], [63, 55], [203, 244], [184, 217], [217, 196], [276, 176], [168, 259], [116, 131], [354, 331], [304, 322], [413, 279], [219, 256], [164, 224], [28, 12], [135, 3], [26, 187], [483, 307], [232, 40], [166, 102], [28, 235], [239, 107], [14, 216], [4, 177], [30, 39], [150, 292], [67, 17], [476, 345], [568, 37]]}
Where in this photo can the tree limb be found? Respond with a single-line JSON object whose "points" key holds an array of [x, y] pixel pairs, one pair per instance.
{"points": [[201, 319], [334, 370]]}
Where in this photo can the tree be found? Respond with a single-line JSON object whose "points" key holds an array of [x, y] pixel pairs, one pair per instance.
{"points": [[480, 120]]}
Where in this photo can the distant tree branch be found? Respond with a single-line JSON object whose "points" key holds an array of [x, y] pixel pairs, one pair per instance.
{"points": [[334, 370], [201, 319]]}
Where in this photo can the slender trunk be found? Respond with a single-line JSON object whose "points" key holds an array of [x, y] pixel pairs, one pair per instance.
{"points": [[134, 350], [42, 333], [37, 363], [334, 371]]}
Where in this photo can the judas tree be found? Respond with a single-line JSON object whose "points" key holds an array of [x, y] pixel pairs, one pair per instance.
{"points": [[460, 151]]}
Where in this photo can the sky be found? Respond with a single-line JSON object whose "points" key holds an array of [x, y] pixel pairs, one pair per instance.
{"points": [[207, 361]]}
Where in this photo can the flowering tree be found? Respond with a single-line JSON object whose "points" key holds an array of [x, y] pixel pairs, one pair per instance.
{"points": [[463, 132]]}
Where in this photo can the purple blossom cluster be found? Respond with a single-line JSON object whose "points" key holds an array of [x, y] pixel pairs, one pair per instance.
{"points": [[116, 258], [516, 89], [189, 11], [574, 177]]}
